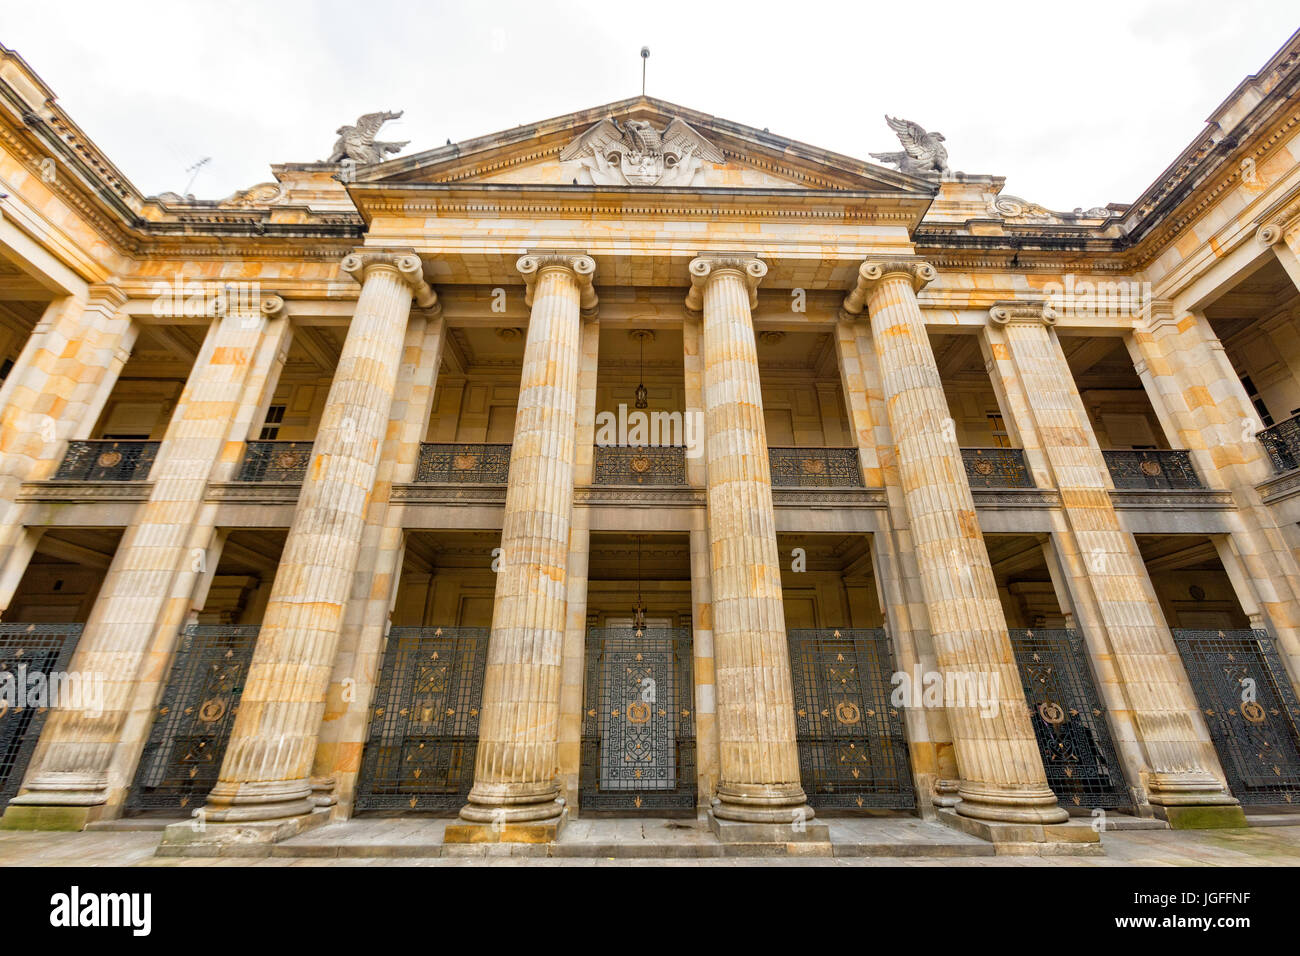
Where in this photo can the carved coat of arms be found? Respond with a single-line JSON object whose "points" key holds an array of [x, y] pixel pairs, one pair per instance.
{"points": [[634, 153]]}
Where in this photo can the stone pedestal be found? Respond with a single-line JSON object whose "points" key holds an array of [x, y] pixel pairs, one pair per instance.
{"points": [[515, 772], [800, 829], [1002, 778], [758, 774]]}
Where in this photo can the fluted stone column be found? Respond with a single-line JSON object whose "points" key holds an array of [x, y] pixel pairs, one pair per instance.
{"points": [[87, 761], [1181, 766], [893, 557], [266, 772], [516, 790], [758, 772], [1002, 778], [346, 722]]}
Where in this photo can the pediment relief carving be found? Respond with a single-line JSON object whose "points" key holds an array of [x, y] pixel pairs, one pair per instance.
{"points": [[636, 153]]}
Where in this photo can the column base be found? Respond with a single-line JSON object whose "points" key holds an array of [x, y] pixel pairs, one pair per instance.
{"points": [[259, 802], [1213, 817], [1188, 788], [1029, 839], [538, 831], [47, 817], [742, 831], [762, 803], [1032, 807], [202, 837]]}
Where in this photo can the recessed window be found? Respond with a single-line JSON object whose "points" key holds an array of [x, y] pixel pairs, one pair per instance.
{"points": [[999, 429], [271, 424]]}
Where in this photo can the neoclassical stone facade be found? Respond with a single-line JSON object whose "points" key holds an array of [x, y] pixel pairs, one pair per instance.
{"points": [[639, 462]]}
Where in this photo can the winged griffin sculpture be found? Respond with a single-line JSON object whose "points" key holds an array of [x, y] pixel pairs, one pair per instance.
{"points": [[635, 153], [358, 144], [923, 153]]}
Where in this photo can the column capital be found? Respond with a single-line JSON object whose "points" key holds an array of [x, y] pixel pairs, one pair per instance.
{"points": [[406, 264], [107, 293], [1281, 222], [581, 266], [1159, 315], [704, 269], [873, 271], [1023, 311]]}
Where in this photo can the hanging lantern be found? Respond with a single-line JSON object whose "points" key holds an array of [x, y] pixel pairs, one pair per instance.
{"points": [[638, 609], [642, 393]]}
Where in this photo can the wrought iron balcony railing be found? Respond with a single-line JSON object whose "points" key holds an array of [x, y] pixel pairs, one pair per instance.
{"points": [[640, 465], [108, 460], [275, 461], [996, 468], [815, 467], [463, 464], [1153, 469], [1282, 443]]}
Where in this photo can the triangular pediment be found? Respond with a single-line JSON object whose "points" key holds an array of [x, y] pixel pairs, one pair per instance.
{"points": [[641, 143]]}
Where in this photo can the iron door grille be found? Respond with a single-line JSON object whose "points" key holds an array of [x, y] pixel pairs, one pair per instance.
{"points": [[182, 758], [26, 650], [852, 746], [1069, 719], [638, 727], [1250, 708], [424, 726]]}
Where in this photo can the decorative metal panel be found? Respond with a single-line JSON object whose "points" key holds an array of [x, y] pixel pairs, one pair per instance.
{"points": [[464, 464], [638, 728], [1251, 710], [815, 467], [108, 460], [1069, 719], [275, 461], [639, 465], [27, 650], [424, 724], [1151, 469], [852, 745], [191, 728], [996, 468], [1282, 444]]}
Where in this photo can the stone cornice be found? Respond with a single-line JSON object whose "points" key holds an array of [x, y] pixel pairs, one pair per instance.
{"points": [[873, 271], [581, 266], [405, 263], [704, 269]]}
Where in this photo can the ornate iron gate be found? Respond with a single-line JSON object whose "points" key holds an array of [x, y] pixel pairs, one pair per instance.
{"points": [[852, 748], [424, 726], [1069, 719], [638, 726], [182, 758], [1251, 710], [27, 650]]}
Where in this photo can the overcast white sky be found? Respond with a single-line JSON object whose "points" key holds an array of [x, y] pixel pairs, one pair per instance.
{"points": [[1076, 104]]}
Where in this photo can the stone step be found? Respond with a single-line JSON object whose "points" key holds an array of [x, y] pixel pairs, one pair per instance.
{"points": [[1123, 821], [1273, 819], [132, 824], [626, 850]]}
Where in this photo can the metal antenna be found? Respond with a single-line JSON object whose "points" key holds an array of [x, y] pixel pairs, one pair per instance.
{"points": [[194, 170], [645, 55]]}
